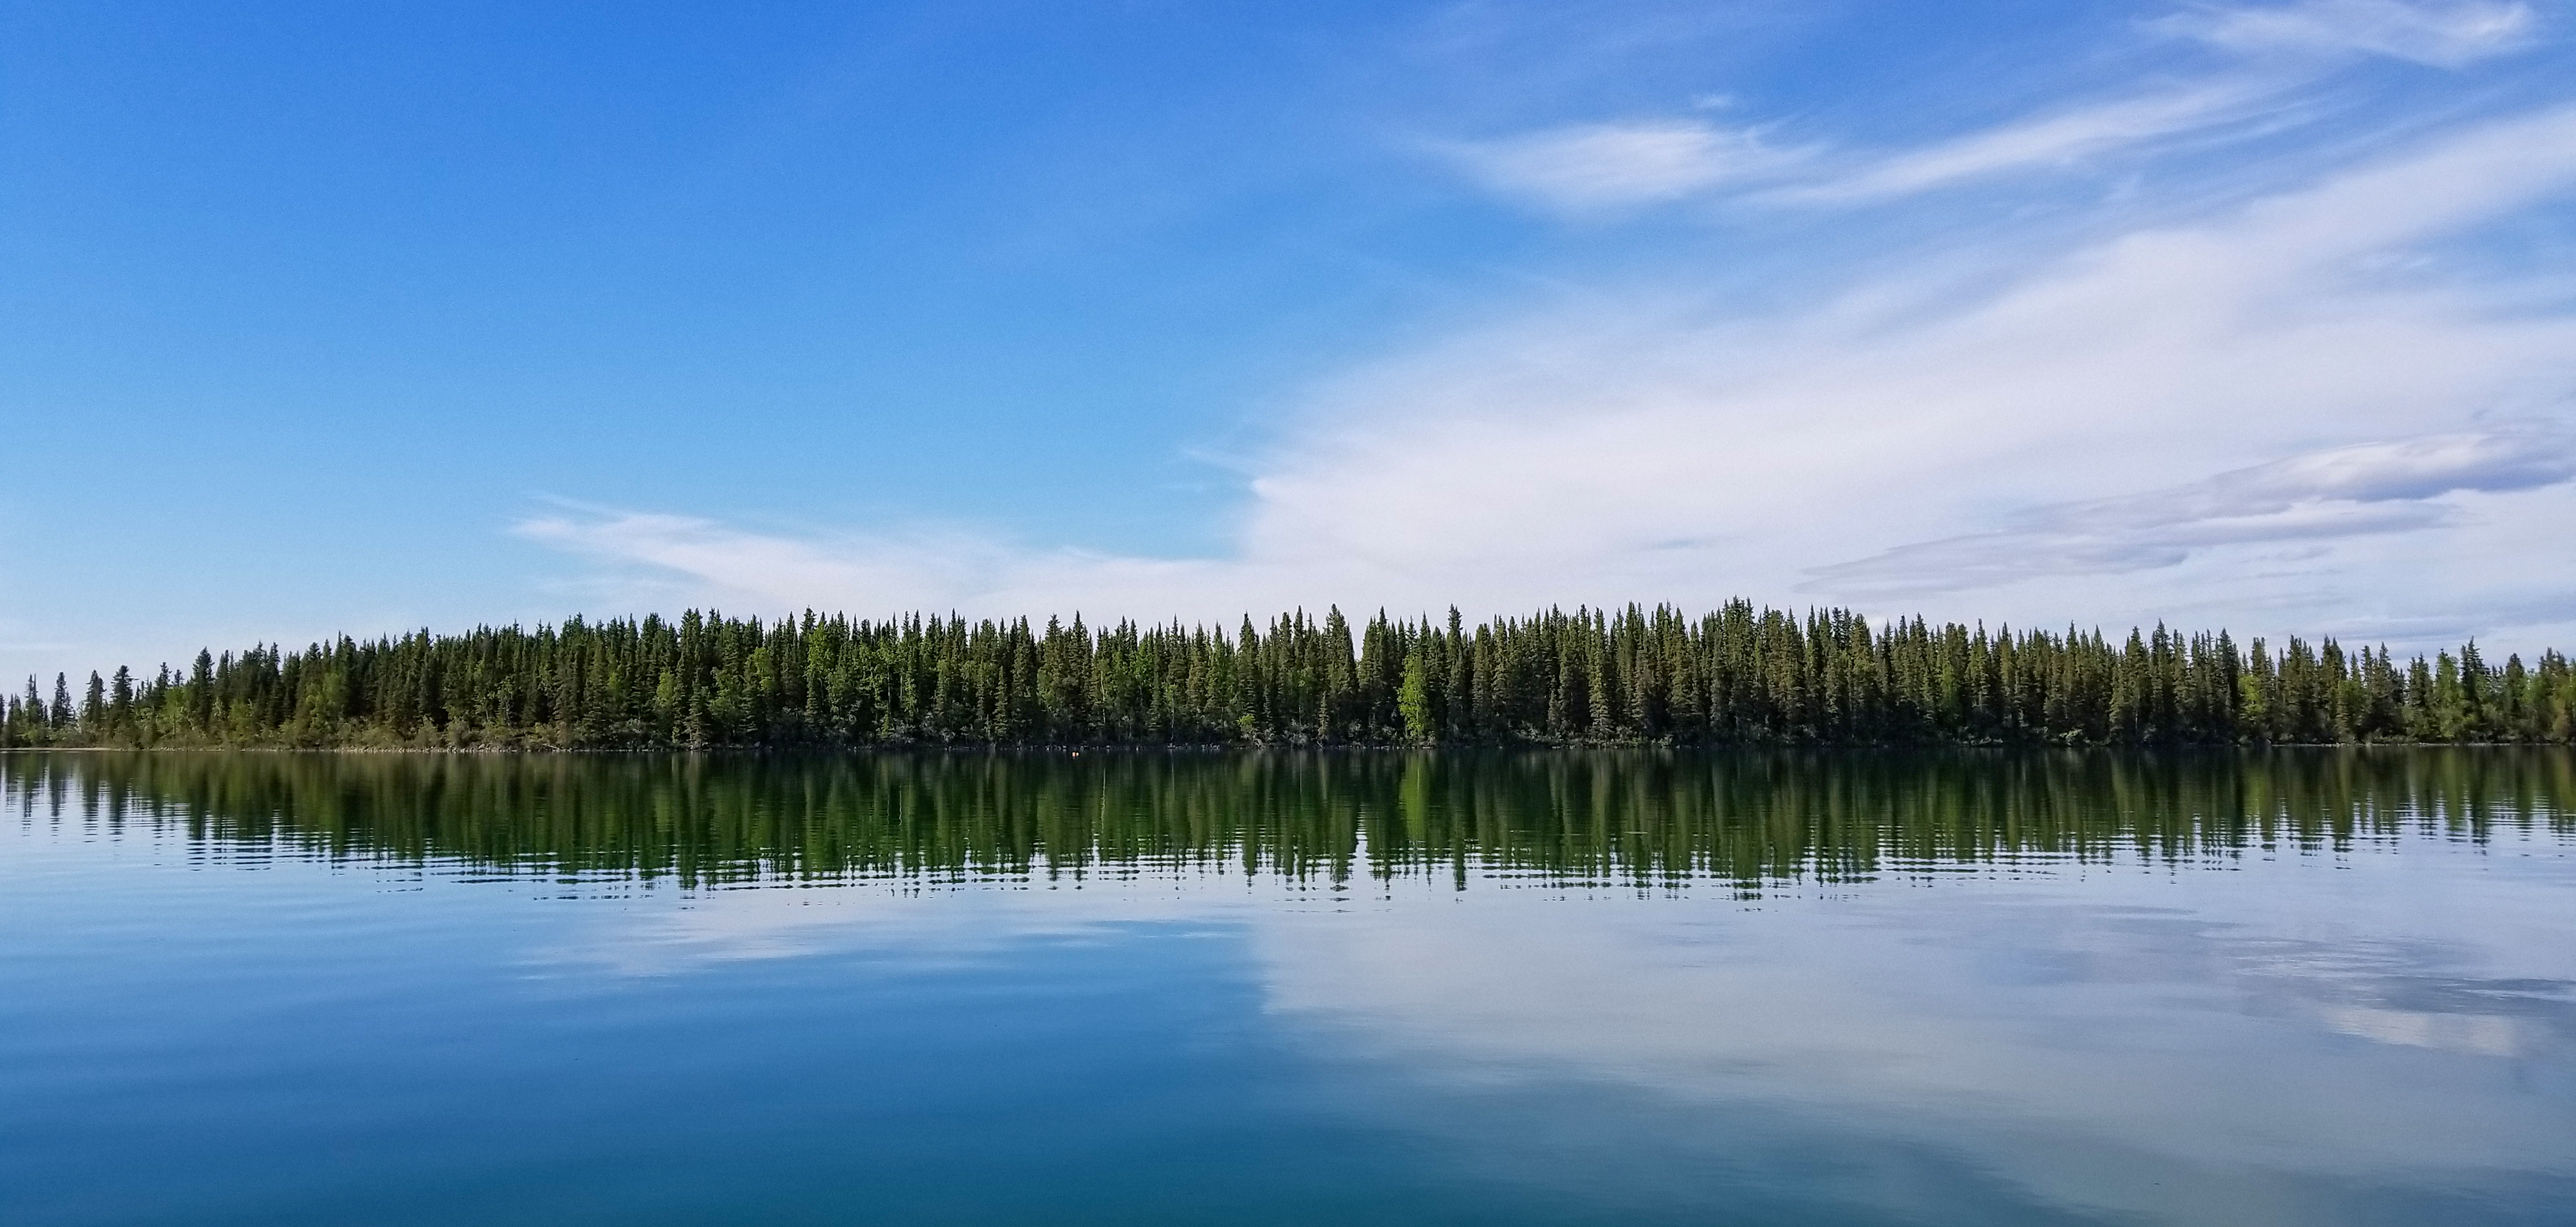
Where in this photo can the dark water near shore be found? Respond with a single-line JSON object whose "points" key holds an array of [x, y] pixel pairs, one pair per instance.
{"points": [[2306, 986]]}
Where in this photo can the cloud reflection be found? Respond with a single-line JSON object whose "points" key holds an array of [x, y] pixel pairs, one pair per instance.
{"points": [[2047, 1029]]}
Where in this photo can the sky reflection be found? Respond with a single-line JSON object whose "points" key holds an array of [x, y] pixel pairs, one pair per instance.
{"points": [[2378, 1027]]}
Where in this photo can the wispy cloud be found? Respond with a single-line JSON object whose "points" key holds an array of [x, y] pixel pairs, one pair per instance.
{"points": [[2054, 140], [2447, 35], [1593, 167], [1585, 167], [922, 568], [2367, 488], [2262, 374], [751, 563]]}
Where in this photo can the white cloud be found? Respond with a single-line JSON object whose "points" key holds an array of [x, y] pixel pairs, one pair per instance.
{"points": [[2048, 141], [2362, 489], [1927, 1023], [2447, 35], [1595, 166], [2257, 375], [928, 569]]}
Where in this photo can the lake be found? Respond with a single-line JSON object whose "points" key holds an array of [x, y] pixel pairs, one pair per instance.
{"points": [[1964, 987]]}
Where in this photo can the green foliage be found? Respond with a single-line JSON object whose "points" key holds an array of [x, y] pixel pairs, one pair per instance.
{"points": [[1635, 676], [1651, 817], [1413, 699]]}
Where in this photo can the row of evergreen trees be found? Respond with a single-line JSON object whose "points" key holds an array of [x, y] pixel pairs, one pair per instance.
{"points": [[1736, 676]]}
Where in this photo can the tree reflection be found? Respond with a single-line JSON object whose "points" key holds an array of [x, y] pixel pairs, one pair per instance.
{"points": [[1649, 819]]}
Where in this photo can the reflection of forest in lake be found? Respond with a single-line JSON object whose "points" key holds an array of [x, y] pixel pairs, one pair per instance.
{"points": [[1644, 817], [1676, 987]]}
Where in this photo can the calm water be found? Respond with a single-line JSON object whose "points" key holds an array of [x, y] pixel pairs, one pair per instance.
{"points": [[2296, 987]]}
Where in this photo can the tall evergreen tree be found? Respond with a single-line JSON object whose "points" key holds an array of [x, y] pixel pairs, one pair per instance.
{"points": [[1735, 675]]}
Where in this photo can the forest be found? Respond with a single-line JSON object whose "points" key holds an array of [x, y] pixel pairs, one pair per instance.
{"points": [[1634, 676]]}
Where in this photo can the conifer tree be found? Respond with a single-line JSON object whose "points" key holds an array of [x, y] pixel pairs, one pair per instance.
{"points": [[1736, 675]]}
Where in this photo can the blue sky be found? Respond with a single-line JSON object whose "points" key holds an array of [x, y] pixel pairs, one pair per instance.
{"points": [[316, 319]]}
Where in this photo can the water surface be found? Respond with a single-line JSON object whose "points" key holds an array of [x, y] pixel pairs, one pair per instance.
{"points": [[2283, 987]]}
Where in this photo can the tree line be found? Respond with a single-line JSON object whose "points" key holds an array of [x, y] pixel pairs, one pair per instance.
{"points": [[1736, 676]]}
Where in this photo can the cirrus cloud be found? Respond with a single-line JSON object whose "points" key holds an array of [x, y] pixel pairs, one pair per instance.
{"points": [[2445, 35], [1585, 167], [2289, 409], [2356, 490]]}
